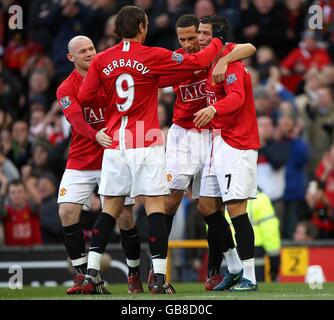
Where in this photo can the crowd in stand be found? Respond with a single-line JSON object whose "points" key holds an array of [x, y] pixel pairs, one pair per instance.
{"points": [[293, 81]]}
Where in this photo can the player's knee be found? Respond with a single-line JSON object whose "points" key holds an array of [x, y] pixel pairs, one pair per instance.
{"points": [[236, 208], [172, 202], [68, 215], [171, 206], [125, 221], [204, 208]]}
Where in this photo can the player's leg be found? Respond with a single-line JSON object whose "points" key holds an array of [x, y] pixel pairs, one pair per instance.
{"points": [[115, 182], [74, 191], [179, 174], [172, 203], [209, 209], [179, 170], [131, 246], [244, 235], [237, 181], [148, 170], [112, 209], [158, 242], [220, 241], [74, 241], [219, 235], [186, 152]]}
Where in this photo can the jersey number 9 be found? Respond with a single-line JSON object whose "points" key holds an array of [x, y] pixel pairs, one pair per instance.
{"points": [[127, 94]]}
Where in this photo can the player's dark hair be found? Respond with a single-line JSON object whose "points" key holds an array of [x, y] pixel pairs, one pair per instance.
{"points": [[187, 20], [128, 20], [217, 21]]}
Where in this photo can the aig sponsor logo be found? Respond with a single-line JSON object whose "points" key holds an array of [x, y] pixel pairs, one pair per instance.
{"points": [[94, 115], [193, 91]]}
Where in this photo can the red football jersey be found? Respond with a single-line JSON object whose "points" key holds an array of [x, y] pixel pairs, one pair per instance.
{"points": [[233, 99], [190, 98], [191, 95], [84, 154], [21, 227], [129, 73]]}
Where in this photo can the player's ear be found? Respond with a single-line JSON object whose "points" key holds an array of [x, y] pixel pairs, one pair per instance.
{"points": [[141, 27], [70, 57]]}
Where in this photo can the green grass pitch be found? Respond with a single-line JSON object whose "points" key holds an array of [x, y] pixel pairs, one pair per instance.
{"points": [[185, 291]]}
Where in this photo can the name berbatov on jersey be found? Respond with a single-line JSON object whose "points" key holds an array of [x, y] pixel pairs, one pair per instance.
{"points": [[129, 73], [121, 63]]}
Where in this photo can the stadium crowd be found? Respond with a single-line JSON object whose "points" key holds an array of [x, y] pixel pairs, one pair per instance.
{"points": [[293, 82]]}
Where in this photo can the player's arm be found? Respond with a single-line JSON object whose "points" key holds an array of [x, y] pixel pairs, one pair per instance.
{"points": [[167, 62], [239, 52], [170, 80], [234, 99], [90, 85], [73, 113], [78, 122]]}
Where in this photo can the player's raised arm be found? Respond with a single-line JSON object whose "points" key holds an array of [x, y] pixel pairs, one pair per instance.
{"points": [[168, 62], [239, 52], [90, 86], [170, 80]]}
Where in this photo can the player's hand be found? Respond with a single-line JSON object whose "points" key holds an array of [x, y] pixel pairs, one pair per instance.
{"points": [[204, 116], [103, 139], [218, 73]]}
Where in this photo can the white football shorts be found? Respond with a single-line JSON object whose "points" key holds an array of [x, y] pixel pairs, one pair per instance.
{"points": [[186, 154], [134, 172], [77, 187], [229, 173]]}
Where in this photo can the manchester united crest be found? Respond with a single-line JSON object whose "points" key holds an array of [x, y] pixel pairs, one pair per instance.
{"points": [[62, 192], [169, 177]]}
